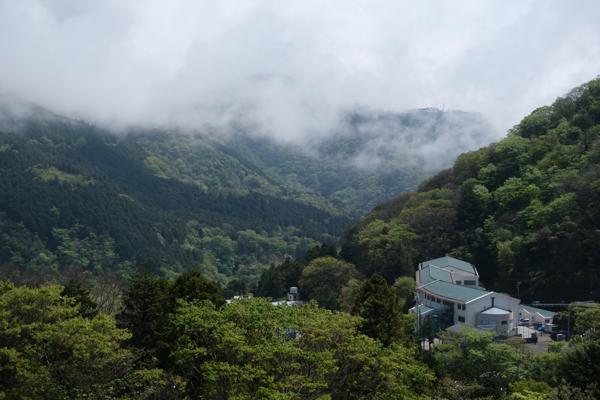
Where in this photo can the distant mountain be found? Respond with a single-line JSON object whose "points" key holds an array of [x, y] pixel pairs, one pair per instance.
{"points": [[524, 210], [370, 158], [74, 196]]}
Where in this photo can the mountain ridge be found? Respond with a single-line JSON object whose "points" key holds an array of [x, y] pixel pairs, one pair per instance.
{"points": [[227, 205]]}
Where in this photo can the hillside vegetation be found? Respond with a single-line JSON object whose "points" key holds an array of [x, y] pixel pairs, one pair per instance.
{"points": [[75, 198], [523, 210], [72, 195], [369, 158]]}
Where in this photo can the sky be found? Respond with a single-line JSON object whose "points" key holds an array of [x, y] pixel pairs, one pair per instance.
{"points": [[289, 68]]}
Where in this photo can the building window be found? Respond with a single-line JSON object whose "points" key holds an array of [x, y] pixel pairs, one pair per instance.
{"points": [[470, 282], [503, 322], [459, 282], [461, 319]]}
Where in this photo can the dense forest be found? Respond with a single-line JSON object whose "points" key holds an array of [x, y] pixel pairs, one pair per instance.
{"points": [[76, 198], [72, 195]]}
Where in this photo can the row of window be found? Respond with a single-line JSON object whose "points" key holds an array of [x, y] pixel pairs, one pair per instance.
{"points": [[491, 322], [431, 298], [444, 302]]}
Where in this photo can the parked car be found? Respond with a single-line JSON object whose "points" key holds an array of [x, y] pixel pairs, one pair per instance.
{"points": [[523, 321], [558, 335], [533, 339]]}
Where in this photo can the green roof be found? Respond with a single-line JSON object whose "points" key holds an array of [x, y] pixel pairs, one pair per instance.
{"points": [[423, 309], [430, 274], [542, 312], [455, 292], [448, 261]]}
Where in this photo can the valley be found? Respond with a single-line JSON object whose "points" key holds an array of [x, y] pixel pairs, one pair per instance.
{"points": [[78, 197]]}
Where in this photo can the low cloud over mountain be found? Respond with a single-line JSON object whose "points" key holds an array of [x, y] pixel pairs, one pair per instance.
{"points": [[289, 69]]}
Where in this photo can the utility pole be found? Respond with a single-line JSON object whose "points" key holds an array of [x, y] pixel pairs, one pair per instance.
{"points": [[569, 325], [418, 321], [591, 285]]}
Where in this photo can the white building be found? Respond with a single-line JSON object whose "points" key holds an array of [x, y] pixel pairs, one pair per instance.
{"points": [[293, 298], [536, 315], [448, 290]]}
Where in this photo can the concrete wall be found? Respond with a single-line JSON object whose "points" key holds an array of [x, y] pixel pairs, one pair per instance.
{"points": [[502, 301], [474, 308], [496, 321]]}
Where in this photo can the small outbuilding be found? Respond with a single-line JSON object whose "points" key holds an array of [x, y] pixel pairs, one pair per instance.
{"points": [[494, 319]]}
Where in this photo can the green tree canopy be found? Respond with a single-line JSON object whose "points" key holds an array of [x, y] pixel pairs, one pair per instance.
{"points": [[47, 350], [381, 312], [192, 286], [147, 302], [323, 279], [474, 357], [404, 287], [251, 349], [78, 292]]}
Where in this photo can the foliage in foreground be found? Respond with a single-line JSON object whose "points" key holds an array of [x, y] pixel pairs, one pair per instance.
{"points": [[248, 349], [251, 349], [177, 340], [48, 350]]}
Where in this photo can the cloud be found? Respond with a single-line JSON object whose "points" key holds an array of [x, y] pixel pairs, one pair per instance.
{"points": [[426, 139], [289, 68]]}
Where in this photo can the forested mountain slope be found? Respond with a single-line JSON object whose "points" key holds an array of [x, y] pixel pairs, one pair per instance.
{"points": [[369, 158], [73, 195], [524, 210]]}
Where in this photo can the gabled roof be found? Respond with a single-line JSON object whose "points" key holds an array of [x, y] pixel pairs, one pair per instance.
{"points": [[541, 312], [455, 292], [431, 273], [495, 311], [422, 309], [445, 262]]}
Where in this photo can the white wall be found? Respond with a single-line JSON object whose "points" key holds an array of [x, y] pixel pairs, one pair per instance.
{"points": [[459, 313], [502, 301], [534, 317], [428, 303], [465, 276]]}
